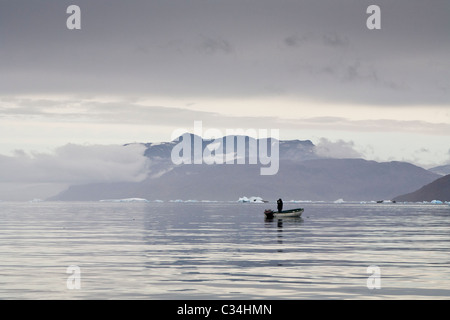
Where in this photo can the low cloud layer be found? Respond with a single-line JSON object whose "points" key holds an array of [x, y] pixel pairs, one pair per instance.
{"points": [[76, 164], [339, 149], [119, 112], [25, 176]]}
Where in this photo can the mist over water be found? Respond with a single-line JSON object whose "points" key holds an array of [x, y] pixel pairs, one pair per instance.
{"points": [[223, 251]]}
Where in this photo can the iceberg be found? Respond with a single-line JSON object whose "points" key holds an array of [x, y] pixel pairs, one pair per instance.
{"points": [[243, 200], [256, 200], [436, 202], [339, 201], [251, 200]]}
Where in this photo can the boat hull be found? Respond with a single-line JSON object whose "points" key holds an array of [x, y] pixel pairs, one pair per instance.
{"points": [[294, 213]]}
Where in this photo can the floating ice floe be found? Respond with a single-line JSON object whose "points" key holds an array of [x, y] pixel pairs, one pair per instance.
{"points": [[126, 200], [339, 201]]}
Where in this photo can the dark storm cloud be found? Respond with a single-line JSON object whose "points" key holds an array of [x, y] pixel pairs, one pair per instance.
{"points": [[314, 49]]}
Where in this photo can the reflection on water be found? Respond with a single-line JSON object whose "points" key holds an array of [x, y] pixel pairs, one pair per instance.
{"points": [[222, 251], [269, 223]]}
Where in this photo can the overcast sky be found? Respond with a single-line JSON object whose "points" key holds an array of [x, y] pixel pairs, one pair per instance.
{"points": [[138, 70]]}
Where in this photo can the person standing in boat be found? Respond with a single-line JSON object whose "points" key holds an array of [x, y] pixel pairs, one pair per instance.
{"points": [[280, 205]]}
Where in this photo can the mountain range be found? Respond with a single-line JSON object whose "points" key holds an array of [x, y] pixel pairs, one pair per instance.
{"points": [[441, 170], [302, 175], [437, 190]]}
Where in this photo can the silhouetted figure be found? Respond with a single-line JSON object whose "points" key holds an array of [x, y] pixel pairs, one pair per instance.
{"points": [[280, 205]]}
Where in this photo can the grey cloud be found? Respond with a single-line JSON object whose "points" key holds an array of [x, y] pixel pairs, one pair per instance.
{"points": [[26, 176], [229, 49], [379, 125], [339, 149], [211, 45], [334, 40], [297, 41], [133, 112], [76, 164], [330, 39]]}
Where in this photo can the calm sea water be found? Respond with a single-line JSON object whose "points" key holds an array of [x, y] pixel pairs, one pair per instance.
{"points": [[223, 251]]}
